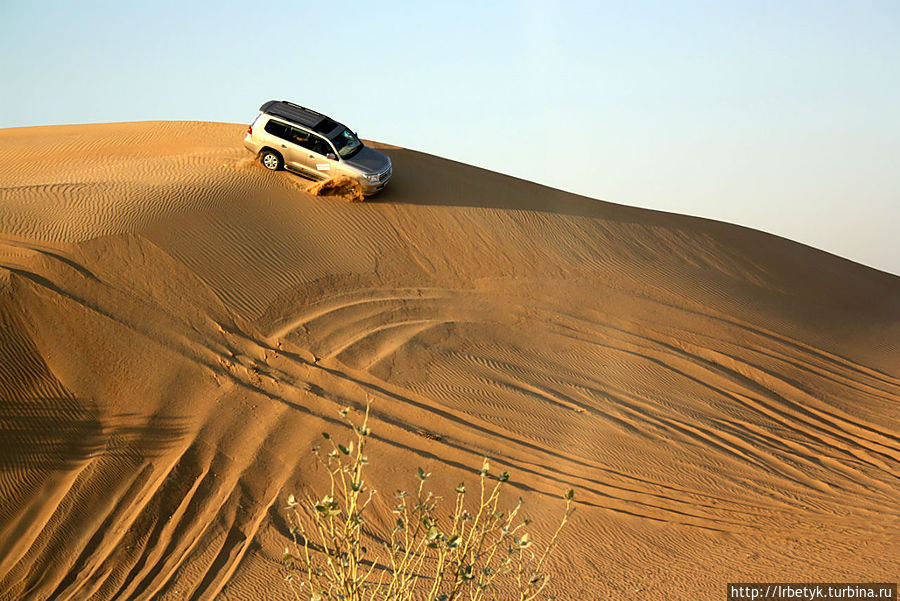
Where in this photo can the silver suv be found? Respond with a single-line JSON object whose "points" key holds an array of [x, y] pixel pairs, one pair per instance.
{"points": [[286, 135]]}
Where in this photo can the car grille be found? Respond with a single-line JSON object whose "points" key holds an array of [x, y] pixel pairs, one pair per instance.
{"points": [[385, 175]]}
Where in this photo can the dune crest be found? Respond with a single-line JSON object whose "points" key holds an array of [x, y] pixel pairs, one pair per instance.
{"points": [[178, 325]]}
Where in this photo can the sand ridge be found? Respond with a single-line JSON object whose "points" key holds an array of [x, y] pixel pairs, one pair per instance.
{"points": [[179, 324]]}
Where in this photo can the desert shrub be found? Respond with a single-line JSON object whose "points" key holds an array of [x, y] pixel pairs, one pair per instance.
{"points": [[480, 551]]}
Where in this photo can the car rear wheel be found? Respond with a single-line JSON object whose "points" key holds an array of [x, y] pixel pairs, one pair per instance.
{"points": [[271, 160]]}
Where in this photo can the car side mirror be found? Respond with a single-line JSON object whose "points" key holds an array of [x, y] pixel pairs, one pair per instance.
{"points": [[331, 156]]}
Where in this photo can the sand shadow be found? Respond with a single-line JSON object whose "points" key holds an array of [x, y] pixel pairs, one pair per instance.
{"points": [[57, 433], [427, 180]]}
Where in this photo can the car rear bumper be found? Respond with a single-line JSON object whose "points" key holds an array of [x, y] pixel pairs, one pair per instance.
{"points": [[251, 145]]}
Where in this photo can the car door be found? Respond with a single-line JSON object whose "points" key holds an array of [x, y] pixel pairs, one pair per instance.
{"points": [[298, 146], [285, 143], [317, 161]]}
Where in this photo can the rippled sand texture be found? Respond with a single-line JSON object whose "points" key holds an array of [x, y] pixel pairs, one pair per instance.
{"points": [[177, 325]]}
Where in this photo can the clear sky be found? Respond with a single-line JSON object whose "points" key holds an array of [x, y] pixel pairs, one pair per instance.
{"points": [[782, 115]]}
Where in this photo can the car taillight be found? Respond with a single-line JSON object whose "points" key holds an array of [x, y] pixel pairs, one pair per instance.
{"points": [[249, 129]]}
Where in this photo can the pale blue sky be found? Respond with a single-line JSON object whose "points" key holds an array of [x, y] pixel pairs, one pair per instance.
{"points": [[780, 115]]}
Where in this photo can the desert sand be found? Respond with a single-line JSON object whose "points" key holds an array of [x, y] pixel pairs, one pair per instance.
{"points": [[178, 325]]}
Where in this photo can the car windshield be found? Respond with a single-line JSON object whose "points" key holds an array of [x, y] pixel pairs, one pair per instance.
{"points": [[347, 144]]}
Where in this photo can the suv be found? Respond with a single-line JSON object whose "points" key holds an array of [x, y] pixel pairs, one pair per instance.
{"points": [[286, 135]]}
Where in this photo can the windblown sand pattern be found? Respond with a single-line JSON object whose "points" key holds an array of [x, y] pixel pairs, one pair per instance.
{"points": [[178, 325]]}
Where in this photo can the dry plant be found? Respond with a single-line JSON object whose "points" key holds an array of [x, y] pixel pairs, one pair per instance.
{"points": [[478, 553]]}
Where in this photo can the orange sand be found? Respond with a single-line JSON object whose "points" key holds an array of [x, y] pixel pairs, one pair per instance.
{"points": [[177, 326]]}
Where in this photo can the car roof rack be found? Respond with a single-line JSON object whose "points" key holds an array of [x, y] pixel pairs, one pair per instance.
{"points": [[300, 114]]}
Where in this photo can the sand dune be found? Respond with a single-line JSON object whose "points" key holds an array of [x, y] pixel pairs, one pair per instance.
{"points": [[179, 324]]}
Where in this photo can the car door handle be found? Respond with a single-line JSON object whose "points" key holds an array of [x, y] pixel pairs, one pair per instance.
{"points": [[283, 146]]}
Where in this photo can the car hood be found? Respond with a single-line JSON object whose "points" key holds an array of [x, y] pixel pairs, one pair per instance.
{"points": [[369, 160]]}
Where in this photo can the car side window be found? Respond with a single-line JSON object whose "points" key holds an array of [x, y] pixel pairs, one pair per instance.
{"points": [[320, 146], [276, 128], [300, 137]]}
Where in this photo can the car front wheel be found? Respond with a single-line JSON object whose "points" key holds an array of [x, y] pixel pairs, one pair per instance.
{"points": [[271, 160]]}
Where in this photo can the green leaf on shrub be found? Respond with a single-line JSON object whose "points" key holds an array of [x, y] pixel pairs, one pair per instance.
{"points": [[503, 477], [570, 495], [326, 435], [344, 449], [422, 474]]}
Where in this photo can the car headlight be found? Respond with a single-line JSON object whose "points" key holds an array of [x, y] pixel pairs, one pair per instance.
{"points": [[373, 179]]}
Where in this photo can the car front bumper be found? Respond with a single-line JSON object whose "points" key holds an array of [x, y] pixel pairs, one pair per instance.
{"points": [[369, 188]]}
